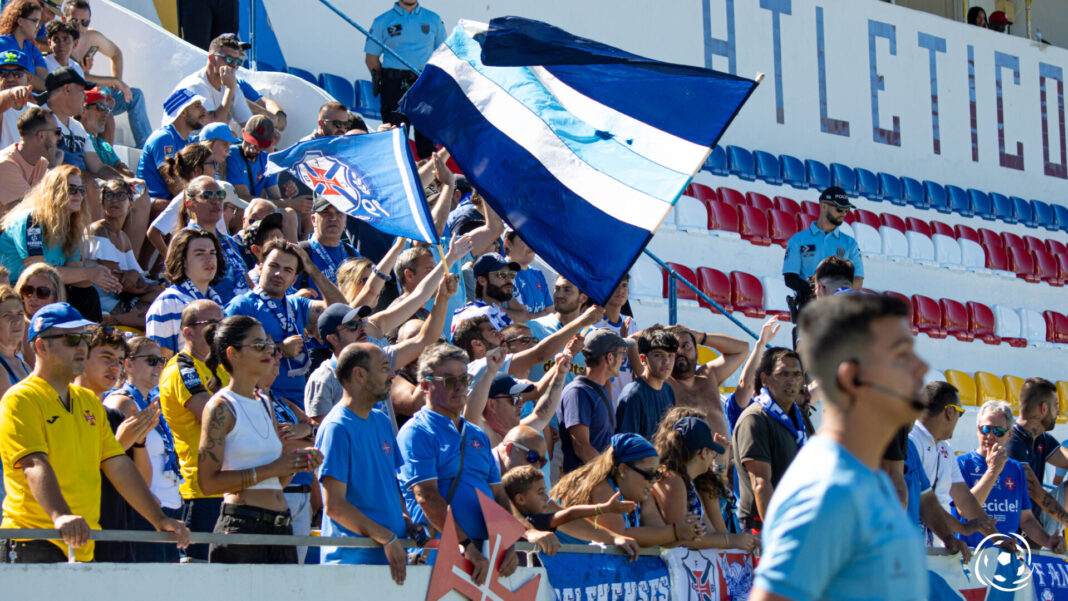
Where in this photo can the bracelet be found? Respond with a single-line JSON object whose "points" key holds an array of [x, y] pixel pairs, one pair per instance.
{"points": [[390, 541], [138, 445], [704, 337], [379, 274], [597, 510]]}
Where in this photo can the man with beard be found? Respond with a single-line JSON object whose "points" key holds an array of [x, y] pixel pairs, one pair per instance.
{"points": [[183, 114], [1033, 446], [568, 302], [246, 165], [822, 239], [494, 284], [698, 385]]}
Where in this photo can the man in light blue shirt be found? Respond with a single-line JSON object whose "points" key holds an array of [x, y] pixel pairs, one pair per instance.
{"points": [[822, 239], [835, 528]]}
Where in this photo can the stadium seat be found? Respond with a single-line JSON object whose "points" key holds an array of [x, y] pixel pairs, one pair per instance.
{"points": [[936, 196], [740, 163], [768, 167], [1056, 247], [367, 104], [690, 213], [1046, 268], [844, 177], [1062, 395], [1060, 217], [921, 247], [1022, 211], [722, 217], [1056, 326], [965, 386], [787, 205], [955, 320], [981, 206], [973, 256], [781, 225], [702, 192], [1023, 264], [804, 221], [810, 208], [1032, 326], [1002, 207], [891, 220], [793, 171], [867, 217], [847, 229], [966, 233], [981, 322], [729, 196], [645, 279], [867, 185], [759, 201], [894, 242], [907, 301], [753, 225], [1033, 243], [918, 225], [937, 227], [338, 87], [716, 285], [1013, 384], [683, 291], [1062, 266], [868, 238], [989, 387], [819, 177], [307, 76], [1009, 239], [716, 163], [775, 293], [1008, 327], [927, 316], [1044, 215], [913, 192], [265, 66], [959, 201], [996, 258], [747, 294], [890, 189], [947, 251]]}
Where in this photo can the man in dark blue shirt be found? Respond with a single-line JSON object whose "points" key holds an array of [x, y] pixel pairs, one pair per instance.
{"points": [[645, 400]]}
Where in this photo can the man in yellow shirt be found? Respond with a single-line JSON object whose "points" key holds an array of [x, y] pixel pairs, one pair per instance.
{"points": [[183, 392], [54, 444]]}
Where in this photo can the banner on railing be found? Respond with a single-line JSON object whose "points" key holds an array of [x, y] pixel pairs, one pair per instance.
{"points": [[607, 578], [709, 574], [991, 575]]}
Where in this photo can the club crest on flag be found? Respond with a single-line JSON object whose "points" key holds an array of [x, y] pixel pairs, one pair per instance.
{"points": [[343, 184]]}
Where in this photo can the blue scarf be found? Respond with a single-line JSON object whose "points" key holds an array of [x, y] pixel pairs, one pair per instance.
{"points": [[164, 431], [797, 426]]}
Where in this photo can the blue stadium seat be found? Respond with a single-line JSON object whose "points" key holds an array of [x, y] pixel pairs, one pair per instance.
{"points": [[819, 177], [338, 87], [1060, 214], [867, 184], [959, 201], [890, 189], [981, 206], [740, 163], [793, 171], [367, 104], [767, 167], [307, 76], [914, 193], [1021, 209], [716, 163], [844, 177], [936, 196], [1002, 207], [264, 66], [1043, 215]]}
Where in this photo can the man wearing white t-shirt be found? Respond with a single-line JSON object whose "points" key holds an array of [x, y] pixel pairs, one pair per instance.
{"points": [[217, 82]]}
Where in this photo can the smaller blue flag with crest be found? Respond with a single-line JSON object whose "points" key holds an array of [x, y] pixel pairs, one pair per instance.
{"points": [[371, 177]]}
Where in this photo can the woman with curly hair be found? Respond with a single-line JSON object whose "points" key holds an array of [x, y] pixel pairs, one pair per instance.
{"points": [[18, 30]]}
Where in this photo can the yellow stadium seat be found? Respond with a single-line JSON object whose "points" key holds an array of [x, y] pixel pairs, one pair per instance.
{"points": [[1062, 400], [989, 387], [1013, 384], [965, 384]]}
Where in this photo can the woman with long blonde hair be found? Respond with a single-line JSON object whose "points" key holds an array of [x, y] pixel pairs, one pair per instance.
{"points": [[38, 285]]}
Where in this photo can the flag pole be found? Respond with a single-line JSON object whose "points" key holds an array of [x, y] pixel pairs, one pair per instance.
{"points": [[388, 50]]}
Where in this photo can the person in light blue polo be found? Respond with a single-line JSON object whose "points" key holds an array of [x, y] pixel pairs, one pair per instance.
{"points": [[413, 32], [822, 239]]}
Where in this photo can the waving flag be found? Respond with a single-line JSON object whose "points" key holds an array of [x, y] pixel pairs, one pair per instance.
{"points": [[581, 147], [369, 176]]}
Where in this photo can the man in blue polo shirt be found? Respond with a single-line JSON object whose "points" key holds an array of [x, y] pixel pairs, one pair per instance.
{"points": [[413, 32], [448, 460], [822, 239], [183, 114]]}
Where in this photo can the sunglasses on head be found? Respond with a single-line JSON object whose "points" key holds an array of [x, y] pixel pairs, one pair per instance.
{"points": [[533, 457], [73, 189], [450, 382], [151, 360], [233, 61], [42, 292], [997, 431], [72, 339], [652, 476]]}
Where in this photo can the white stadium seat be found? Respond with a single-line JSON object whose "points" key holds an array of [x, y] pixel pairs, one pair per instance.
{"points": [[921, 248], [690, 214], [1007, 322], [1033, 326], [775, 293], [646, 280], [947, 251], [972, 254], [894, 243], [867, 239]]}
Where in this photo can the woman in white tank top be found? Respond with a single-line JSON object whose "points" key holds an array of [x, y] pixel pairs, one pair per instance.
{"points": [[240, 450]]}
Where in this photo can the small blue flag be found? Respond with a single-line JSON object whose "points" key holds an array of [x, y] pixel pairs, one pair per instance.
{"points": [[371, 177]]}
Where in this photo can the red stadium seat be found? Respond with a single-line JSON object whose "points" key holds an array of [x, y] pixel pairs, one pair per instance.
{"points": [[759, 201], [1035, 243], [805, 221], [907, 301], [919, 226], [1011, 240], [722, 216], [955, 320], [981, 322], [1046, 268], [684, 291], [754, 225], [937, 227], [1062, 265], [1056, 247], [700, 191], [990, 238], [891, 220], [867, 217], [850, 218], [747, 294], [781, 225], [716, 285], [1023, 263], [996, 258], [788, 205], [927, 316], [810, 208], [731, 196], [966, 233], [1056, 326]]}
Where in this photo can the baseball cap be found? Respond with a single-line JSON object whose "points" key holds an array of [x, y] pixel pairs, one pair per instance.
{"points": [[697, 434], [59, 78], [233, 37], [14, 58], [321, 203], [217, 131], [837, 197], [999, 16], [492, 262], [259, 131], [177, 102], [339, 314], [53, 6], [254, 233], [602, 341], [505, 384], [55, 315], [94, 95], [231, 195], [461, 215]]}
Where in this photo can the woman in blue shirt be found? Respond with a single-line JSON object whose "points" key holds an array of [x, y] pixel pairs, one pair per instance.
{"points": [[18, 29]]}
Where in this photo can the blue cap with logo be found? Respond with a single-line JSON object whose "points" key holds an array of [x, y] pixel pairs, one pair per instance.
{"points": [[15, 58], [55, 315]]}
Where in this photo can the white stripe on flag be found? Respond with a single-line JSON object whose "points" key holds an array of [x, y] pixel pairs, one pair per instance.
{"points": [[399, 141], [527, 130], [650, 142]]}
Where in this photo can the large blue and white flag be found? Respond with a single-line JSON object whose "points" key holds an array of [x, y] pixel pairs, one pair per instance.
{"points": [[369, 176], [581, 147]]}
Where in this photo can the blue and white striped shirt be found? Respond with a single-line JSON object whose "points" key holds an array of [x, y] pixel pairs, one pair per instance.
{"points": [[163, 323]]}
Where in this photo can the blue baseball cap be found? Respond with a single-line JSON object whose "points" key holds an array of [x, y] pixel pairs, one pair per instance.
{"points": [[217, 131], [177, 102], [492, 262], [56, 315], [505, 384], [16, 58]]}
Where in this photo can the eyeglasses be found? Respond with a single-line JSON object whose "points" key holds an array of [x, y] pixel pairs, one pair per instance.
{"points": [[213, 195], [73, 189], [100, 106], [997, 431], [516, 399], [504, 274], [335, 123], [260, 346], [205, 322], [12, 73], [451, 382], [34, 21], [233, 61], [42, 292], [652, 476], [522, 340], [115, 194], [957, 408], [151, 360], [533, 457], [82, 22], [73, 339]]}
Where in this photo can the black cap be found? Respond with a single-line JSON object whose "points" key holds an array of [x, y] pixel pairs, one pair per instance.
{"points": [[505, 384], [59, 78], [837, 197], [492, 262], [256, 230], [233, 37], [339, 314], [697, 434]]}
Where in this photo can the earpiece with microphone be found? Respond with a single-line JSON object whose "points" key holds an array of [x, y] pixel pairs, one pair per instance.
{"points": [[912, 401]]}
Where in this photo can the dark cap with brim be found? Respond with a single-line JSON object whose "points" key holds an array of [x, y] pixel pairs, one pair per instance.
{"points": [[837, 197]]}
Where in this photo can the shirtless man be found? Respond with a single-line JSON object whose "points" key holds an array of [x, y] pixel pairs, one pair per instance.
{"points": [[698, 385]]}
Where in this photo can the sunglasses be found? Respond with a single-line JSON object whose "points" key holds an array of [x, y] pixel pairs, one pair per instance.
{"points": [[233, 61], [516, 399], [997, 431], [151, 360], [12, 73], [653, 476], [521, 340], [82, 22], [260, 346], [335, 123], [42, 292], [505, 274], [957, 408], [100, 106], [115, 194], [210, 195], [352, 325], [73, 189], [533, 457], [204, 322], [74, 339], [451, 382]]}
